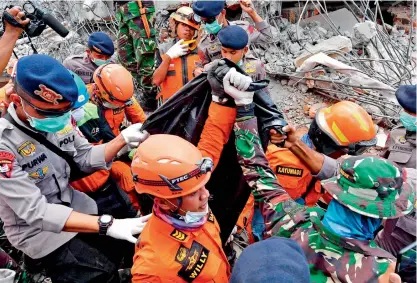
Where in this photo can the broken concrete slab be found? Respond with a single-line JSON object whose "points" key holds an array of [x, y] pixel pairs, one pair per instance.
{"points": [[363, 33], [343, 19], [339, 42]]}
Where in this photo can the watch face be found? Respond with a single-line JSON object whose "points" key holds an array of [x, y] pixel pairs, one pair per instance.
{"points": [[105, 219]]}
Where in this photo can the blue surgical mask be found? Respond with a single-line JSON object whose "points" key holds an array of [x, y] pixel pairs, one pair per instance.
{"points": [[408, 121], [213, 28], [194, 217], [100, 62], [49, 125]]}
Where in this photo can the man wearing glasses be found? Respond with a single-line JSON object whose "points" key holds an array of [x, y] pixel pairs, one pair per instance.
{"points": [[212, 15], [43, 215]]}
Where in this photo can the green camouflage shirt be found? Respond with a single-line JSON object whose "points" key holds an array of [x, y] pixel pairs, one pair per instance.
{"points": [[331, 258]]}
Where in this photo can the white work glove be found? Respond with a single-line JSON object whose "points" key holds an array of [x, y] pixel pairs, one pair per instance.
{"points": [[124, 229], [235, 84], [133, 136], [231, 235], [177, 50]]}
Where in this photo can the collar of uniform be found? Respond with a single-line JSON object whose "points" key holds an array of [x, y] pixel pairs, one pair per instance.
{"points": [[12, 112], [86, 59], [364, 247], [167, 229]]}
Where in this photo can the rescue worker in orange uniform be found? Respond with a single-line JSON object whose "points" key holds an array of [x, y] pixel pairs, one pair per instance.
{"points": [[177, 60], [181, 242], [112, 92], [343, 128]]}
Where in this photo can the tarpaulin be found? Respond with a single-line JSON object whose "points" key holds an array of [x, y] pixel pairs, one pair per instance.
{"points": [[184, 115]]}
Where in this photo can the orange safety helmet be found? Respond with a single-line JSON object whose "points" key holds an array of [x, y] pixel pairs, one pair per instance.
{"points": [[346, 122], [167, 166], [114, 84], [185, 15]]}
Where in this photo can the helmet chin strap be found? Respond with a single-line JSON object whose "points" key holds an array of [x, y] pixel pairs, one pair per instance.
{"points": [[178, 205]]}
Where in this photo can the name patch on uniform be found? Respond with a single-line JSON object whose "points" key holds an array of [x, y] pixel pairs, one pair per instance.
{"points": [[48, 94], [40, 173], [67, 140], [210, 217], [289, 171], [193, 261], [27, 149], [6, 164], [35, 162], [405, 149], [66, 130], [177, 234]]}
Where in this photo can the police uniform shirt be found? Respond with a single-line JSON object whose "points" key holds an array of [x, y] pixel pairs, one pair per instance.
{"points": [[82, 66], [35, 198]]}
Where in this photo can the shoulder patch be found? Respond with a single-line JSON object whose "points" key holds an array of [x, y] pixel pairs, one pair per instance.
{"points": [[210, 217], [289, 171], [40, 173], [6, 164], [194, 261], [27, 149], [180, 236]]}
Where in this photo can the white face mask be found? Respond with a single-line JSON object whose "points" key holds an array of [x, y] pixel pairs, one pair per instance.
{"points": [[193, 217], [78, 114]]}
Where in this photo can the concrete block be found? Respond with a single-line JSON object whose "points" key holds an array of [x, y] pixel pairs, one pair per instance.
{"points": [[343, 19]]}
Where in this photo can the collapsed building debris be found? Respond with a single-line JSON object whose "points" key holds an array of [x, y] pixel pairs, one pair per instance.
{"points": [[355, 57]]}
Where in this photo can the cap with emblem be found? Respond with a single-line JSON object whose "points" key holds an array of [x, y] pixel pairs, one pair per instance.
{"points": [[406, 96], [208, 9], [43, 78], [371, 186], [101, 43], [233, 37]]}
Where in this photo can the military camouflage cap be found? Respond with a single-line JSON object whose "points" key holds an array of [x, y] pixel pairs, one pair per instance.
{"points": [[371, 186]]}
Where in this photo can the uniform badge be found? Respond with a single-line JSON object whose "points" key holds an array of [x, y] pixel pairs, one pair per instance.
{"points": [[6, 164], [180, 236], [213, 47], [40, 173], [210, 217], [181, 254], [66, 130], [48, 94], [97, 49], [402, 140], [194, 261], [27, 149]]}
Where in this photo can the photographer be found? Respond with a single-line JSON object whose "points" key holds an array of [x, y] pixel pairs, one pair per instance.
{"points": [[10, 36]]}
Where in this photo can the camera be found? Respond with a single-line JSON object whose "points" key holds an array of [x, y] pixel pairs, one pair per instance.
{"points": [[38, 21]]}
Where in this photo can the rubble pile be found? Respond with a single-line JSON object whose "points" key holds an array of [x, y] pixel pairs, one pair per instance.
{"points": [[344, 58]]}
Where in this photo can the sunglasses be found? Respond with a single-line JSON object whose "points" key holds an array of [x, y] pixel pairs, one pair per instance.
{"points": [[198, 19]]}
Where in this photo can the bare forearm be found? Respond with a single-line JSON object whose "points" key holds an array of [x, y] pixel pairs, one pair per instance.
{"points": [[113, 147], [83, 223], [311, 158], [161, 73], [7, 43], [255, 17]]}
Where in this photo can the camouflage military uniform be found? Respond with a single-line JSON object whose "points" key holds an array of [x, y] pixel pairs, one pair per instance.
{"points": [[209, 47], [136, 51], [331, 257]]}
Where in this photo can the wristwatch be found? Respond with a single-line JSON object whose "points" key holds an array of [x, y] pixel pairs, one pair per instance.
{"points": [[104, 222]]}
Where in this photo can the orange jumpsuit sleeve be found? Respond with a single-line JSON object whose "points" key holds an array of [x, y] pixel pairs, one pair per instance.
{"points": [[135, 113], [145, 278], [216, 131]]}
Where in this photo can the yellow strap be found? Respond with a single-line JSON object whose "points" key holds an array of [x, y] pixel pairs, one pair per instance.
{"points": [[144, 19]]}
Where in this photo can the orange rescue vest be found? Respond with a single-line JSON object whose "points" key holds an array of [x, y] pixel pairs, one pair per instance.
{"points": [[292, 175], [166, 254], [180, 72]]}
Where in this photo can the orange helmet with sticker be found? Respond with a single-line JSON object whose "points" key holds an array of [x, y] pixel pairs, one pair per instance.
{"points": [[169, 171], [114, 84], [346, 123]]}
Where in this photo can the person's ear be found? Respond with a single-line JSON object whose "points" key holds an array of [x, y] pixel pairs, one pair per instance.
{"points": [[15, 99], [245, 50], [162, 203]]}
